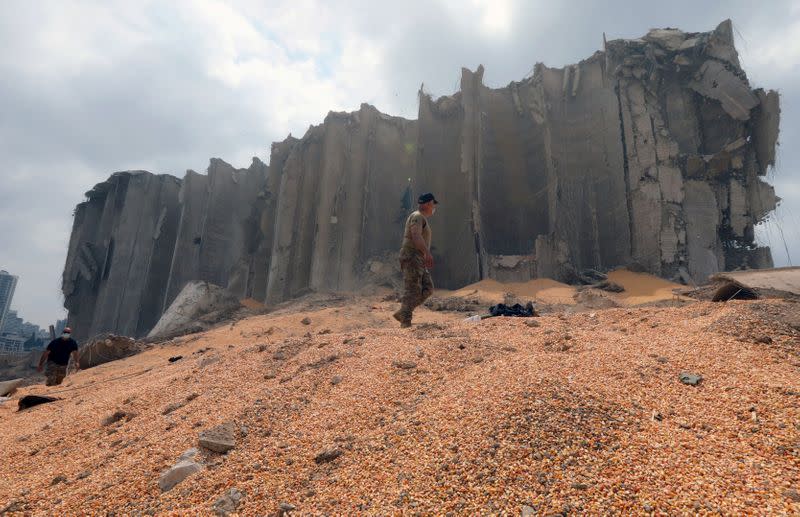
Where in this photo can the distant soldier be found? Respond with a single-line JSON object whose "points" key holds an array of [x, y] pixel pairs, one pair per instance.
{"points": [[57, 356], [416, 259]]}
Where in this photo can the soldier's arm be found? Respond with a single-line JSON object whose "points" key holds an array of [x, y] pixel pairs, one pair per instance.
{"points": [[75, 362], [416, 238]]}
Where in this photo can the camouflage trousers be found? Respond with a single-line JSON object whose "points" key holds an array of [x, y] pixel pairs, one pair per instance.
{"points": [[55, 373], [417, 282]]}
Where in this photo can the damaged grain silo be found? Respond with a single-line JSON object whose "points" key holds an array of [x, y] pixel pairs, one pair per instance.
{"points": [[649, 153]]}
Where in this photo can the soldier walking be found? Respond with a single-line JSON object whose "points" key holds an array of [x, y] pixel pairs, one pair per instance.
{"points": [[56, 356], [416, 259]]}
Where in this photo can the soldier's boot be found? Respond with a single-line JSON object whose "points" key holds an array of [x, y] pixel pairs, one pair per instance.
{"points": [[403, 317]]}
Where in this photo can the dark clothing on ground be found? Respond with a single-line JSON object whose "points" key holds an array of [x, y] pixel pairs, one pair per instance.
{"points": [[515, 310], [60, 349]]}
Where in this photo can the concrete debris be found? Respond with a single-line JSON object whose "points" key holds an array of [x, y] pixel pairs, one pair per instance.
{"points": [[628, 157], [328, 455], [594, 299], [671, 39], [780, 280], [115, 417], [715, 81], [754, 284], [228, 502], [404, 365], [689, 378], [185, 467], [207, 361], [9, 387], [197, 299], [767, 123], [219, 439], [105, 348]]}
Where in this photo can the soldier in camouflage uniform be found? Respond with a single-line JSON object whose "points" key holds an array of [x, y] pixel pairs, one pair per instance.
{"points": [[416, 259]]}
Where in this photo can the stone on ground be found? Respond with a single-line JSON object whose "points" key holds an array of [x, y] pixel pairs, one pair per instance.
{"points": [[228, 502], [219, 439], [177, 473]]}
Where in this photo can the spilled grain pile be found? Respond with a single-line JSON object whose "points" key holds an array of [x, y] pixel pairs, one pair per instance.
{"points": [[336, 411]]}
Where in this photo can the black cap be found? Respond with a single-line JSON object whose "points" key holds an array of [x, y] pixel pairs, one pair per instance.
{"points": [[424, 198]]}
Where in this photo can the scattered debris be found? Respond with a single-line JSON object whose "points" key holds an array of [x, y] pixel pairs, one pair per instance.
{"points": [[115, 417], [198, 306], [9, 387], [58, 479], [175, 358], [219, 439], [12, 507], [306, 321], [208, 361], [792, 495], [404, 365], [782, 282], [185, 467], [594, 299], [106, 348], [172, 407], [228, 502], [690, 378], [328, 455], [609, 286], [591, 277]]}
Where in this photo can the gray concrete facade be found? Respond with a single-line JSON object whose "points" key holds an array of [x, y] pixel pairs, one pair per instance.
{"points": [[649, 153]]}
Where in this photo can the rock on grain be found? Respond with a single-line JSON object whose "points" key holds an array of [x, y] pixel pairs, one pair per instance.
{"points": [[689, 378], [228, 502], [328, 455], [219, 439]]}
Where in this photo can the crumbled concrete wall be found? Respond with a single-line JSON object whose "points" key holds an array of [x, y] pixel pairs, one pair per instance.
{"points": [[648, 153], [512, 268], [220, 229], [119, 253]]}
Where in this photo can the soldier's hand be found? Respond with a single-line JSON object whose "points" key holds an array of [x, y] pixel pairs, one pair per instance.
{"points": [[429, 261], [39, 368]]}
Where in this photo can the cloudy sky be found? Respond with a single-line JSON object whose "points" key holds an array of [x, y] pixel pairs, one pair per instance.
{"points": [[89, 88]]}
